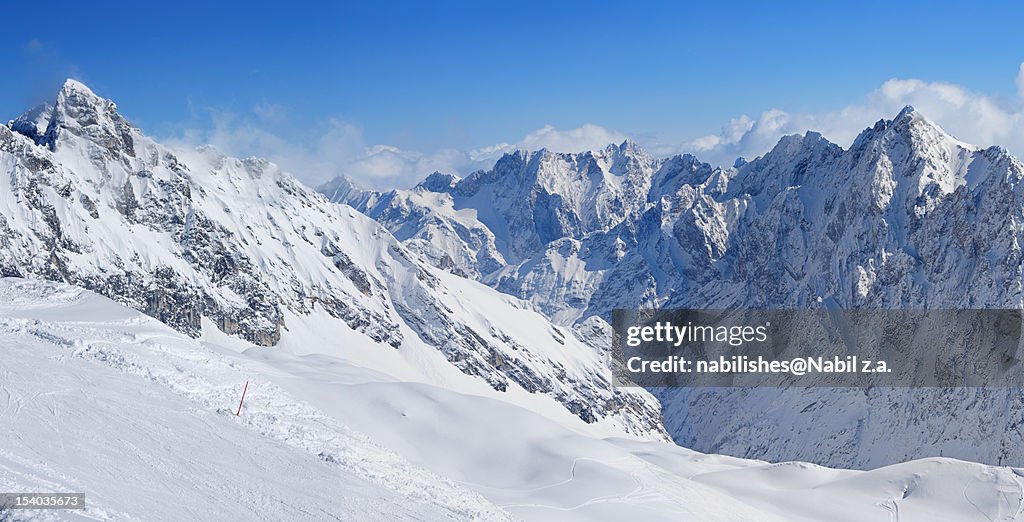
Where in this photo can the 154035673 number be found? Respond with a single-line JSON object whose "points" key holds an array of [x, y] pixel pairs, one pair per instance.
{"points": [[42, 501]]}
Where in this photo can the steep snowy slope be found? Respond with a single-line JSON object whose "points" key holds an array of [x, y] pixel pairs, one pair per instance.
{"points": [[907, 217], [100, 399], [184, 235]]}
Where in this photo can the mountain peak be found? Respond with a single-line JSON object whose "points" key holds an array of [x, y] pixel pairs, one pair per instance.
{"points": [[82, 113], [75, 94], [73, 85], [910, 119], [77, 97], [918, 129], [342, 189], [908, 111], [628, 145], [438, 182], [911, 127]]}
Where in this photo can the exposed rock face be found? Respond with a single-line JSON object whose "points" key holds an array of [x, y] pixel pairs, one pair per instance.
{"points": [[497, 225], [90, 194], [184, 235], [907, 217]]}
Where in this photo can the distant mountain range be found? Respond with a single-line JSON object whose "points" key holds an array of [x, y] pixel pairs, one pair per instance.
{"points": [[446, 355], [906, 217]]}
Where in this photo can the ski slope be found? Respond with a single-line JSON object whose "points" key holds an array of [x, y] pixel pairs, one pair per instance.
{"points": [[101, 399]]}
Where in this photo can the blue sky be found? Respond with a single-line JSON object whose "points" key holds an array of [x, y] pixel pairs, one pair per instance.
{"points": [[424, 77]]}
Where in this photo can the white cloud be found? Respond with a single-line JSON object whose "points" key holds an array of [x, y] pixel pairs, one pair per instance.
{"points": [[330, 148], [973, 117], [384, 166], [586, 137], [316, 156], [335, 147]]}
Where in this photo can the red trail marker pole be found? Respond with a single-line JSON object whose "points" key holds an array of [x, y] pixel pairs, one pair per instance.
{"points": [[239, 412]]}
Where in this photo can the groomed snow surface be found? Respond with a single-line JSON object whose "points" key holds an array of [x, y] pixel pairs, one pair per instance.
{"points": [[100, 399]]}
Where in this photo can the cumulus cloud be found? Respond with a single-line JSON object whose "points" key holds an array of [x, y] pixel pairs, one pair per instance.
{"points": [[971, 116]]}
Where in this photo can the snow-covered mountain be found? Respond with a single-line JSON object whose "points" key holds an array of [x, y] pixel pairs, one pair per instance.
{"points": [[907, 217], [498, 225], [144, 286], [93, 392], [187, 236]]}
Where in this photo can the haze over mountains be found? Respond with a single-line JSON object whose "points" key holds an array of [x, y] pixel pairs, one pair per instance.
{"points": [[445, 355]]}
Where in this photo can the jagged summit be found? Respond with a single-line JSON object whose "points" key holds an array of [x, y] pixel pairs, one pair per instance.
{"points": [[79, 111], [439, 182], [75, 95], [628, 146], [73, 85], [910, 120], [793, 143], [913, 128], [343, 189], [908, 111], [339, 186]]}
